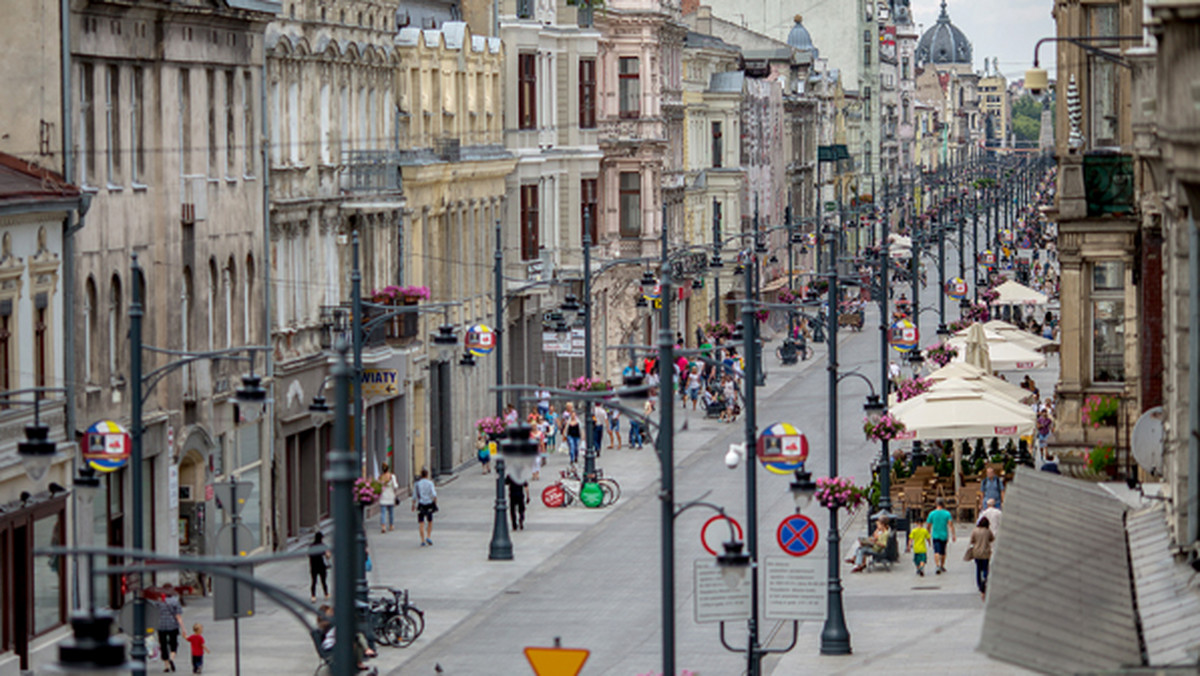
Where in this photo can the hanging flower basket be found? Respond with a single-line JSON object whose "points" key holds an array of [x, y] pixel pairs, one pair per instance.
{"points": [[886, 429], [1100, 410], [762, 315], [839, 493], [367, 491], [941, 354], [907, 389], [989, 296], [787, 296], [717, 330], [586, 384], [1102, 459], [490, 427]]}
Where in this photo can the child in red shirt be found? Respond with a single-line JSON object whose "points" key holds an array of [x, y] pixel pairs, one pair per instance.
{"points": [[196, 638]]}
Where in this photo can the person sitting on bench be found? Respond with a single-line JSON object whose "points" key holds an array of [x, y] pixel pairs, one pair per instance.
{"points": [[875, 544]]}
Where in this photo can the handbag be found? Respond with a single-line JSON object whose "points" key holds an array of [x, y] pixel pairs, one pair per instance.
{"points": [[368, 564]]}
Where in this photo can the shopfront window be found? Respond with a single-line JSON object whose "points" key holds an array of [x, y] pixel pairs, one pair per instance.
{"points": [[1108, 322], [252, 511], [48, 574]]}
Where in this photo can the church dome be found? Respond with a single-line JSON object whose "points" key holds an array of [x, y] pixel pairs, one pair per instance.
{"points": [[943, 43], [798, 38]]}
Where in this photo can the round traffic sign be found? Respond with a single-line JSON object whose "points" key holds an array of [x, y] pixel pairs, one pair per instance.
{"points": [[797, 535], [782, 448], [737, 527], [590, 494], [554, 496]]}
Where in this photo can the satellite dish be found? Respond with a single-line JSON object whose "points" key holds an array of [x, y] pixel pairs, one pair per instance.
{"points": [[1147, 440]]}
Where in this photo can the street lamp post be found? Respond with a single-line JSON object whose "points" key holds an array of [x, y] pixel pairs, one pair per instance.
{"points": [[500, 547], [835, 637], [590, 450], [249, 393], [666, 453], [360, 551], [885, 476], [750, 325]]}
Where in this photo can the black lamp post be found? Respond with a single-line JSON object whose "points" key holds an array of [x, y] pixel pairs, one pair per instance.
{"points": [[251, 399]]}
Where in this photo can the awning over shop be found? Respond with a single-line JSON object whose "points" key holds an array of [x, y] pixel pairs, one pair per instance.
{"points": [[1059, 597]]}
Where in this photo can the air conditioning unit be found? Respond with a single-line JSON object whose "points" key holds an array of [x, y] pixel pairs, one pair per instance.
{"points": [[195, 199]]}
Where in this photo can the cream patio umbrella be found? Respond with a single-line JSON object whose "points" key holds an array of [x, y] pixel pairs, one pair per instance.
{"points": [[1010, 332], [956, 409], [973, 375], [1014, 293], [975, 348]]}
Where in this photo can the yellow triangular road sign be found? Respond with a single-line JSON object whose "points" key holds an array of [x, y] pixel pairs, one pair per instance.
{"points": [[556, 661]]}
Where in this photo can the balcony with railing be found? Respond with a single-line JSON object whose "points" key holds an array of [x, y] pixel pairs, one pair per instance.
{"points": [[371, 171], [336, 320]]}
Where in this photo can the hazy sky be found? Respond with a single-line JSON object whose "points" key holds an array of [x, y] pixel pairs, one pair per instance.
{"points": [[1006, 29]]}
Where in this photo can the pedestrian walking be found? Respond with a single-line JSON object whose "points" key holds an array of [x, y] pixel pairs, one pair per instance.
{"points": [[574, 432], [387, 500], [424, 503], [518, 497], [940, 525], [484, 453], [980, 551], [199, 647], [992, 487], [318, 565], [543, 400], [599, 418], [991, 515], [170, 623], [693, 385], [918, 543], [614, 429]]}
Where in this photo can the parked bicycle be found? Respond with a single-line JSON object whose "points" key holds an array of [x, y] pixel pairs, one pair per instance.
{"points": [[394, 620], [567, 490]]}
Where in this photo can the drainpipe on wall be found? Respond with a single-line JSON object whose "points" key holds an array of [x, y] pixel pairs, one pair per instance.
{"points": [[1193, 461], [265, 266]]}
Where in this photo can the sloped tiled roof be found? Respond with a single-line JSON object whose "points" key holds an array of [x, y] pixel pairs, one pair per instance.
{"points": [[22, 182], [1060, 597], [1168, 601]]}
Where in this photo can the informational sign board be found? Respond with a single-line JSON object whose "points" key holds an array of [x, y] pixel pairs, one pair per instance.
{"points": [[233, 599], [380, 382], [480, 340], [716, 601], [554, 496], [795, 588], [904, 336], [956, 288], [576, 345], [552, 342]]}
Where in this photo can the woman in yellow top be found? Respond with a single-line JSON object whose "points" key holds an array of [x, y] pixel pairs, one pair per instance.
{"points": [[918, 542]]}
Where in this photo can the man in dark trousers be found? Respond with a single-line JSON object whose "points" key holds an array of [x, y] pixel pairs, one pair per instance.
{"points": [[518, 497]]}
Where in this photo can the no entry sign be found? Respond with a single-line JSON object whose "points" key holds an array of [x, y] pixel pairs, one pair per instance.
{"points": [[797, 535]]}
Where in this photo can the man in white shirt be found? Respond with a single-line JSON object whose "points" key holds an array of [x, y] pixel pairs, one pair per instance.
{"points": [[992, 513]]}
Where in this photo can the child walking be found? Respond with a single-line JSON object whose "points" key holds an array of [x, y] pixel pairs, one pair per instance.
{"points": [[918, 542], [196, 638]]}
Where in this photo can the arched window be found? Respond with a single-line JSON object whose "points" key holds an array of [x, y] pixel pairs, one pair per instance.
{"points": [[89, 329], [230, 281], [248, 301], [214, 288], [114, 327]]}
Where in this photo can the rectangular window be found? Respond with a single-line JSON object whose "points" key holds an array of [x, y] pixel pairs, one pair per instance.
{"points": [[137, 138], [629, 90], [589, 208], [631, 204], [41, 349], [8, 344], [112, 123], [87, 123], [230, 127], [211, 102], [587, 93], [718, 146], [527, 91], [293, 116], [1108, 322], [866, 48], [529, 222], [248, 124], [185, 120], [867, 104], [904, 68]]}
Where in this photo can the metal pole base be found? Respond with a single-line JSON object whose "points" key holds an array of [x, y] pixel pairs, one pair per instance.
{"points": [[501, 548]]}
